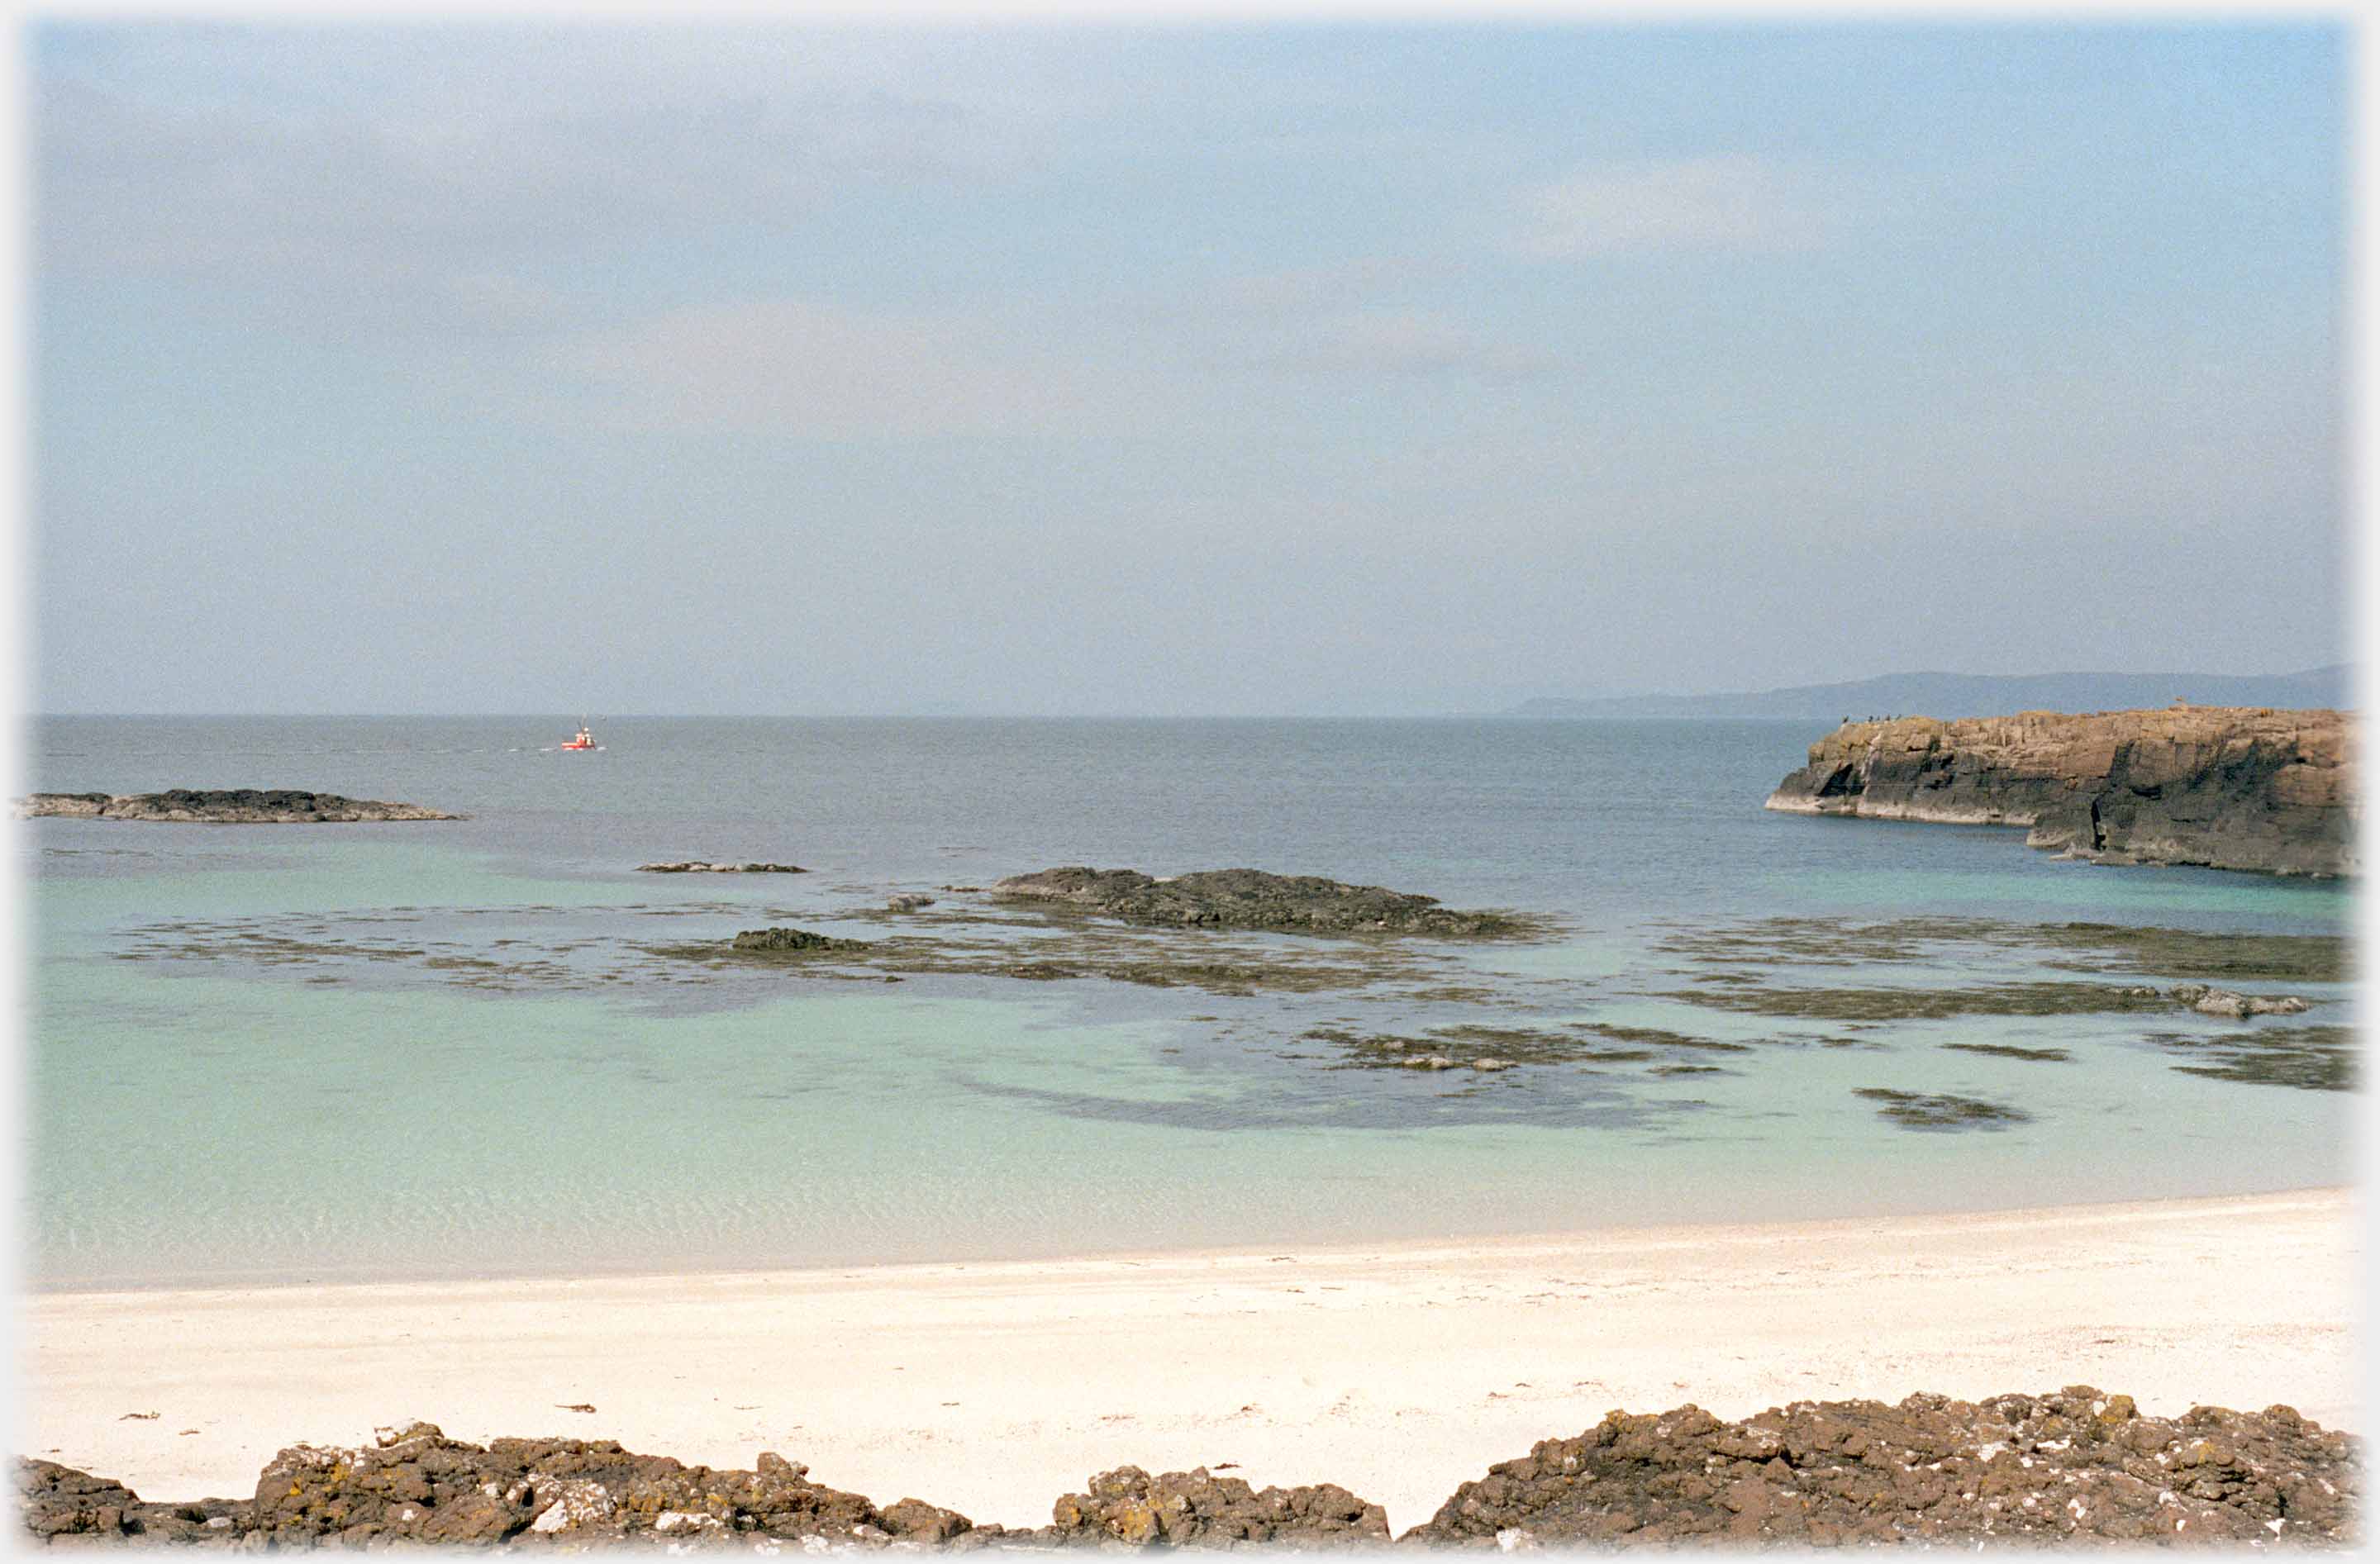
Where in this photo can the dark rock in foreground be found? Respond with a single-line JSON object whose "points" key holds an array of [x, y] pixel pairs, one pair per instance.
{"points": [[698, 866], [781, 938], [1252, 899], [2062, 1469], [59, 1501], [2225, 787], [417, 1486], [2068, 1469], [242, 805]]}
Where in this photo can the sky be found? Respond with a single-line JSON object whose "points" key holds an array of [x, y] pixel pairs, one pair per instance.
{"points": [[1172, 370]]}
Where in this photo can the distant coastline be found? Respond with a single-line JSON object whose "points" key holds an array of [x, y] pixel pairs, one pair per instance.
{"points": [[1951, 696]]}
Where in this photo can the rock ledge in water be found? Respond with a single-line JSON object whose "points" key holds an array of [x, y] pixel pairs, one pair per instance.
{"points": [[698, 866], [1252, 899], [242, 806], [781, 938], [2223, 787]]}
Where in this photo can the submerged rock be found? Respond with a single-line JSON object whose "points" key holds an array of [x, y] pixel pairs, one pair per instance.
{"points": [[1926, 1004], [907, 901], [2225, 787], [698, 866], [1941, 1110], [2012, 1051], [781, 938], [243, 805], [2322, 1059], [1252, 899]]}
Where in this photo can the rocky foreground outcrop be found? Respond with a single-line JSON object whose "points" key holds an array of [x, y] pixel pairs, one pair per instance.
{"points": [[2224, 787], [2072, 1468], [1251, 899], [240, 806]]}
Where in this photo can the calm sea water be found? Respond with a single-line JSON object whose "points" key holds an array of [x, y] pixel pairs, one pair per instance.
{"points": [[490, 1046]]}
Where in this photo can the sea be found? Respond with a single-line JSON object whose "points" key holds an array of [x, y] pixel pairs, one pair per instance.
{"points": [[262, 1055]]}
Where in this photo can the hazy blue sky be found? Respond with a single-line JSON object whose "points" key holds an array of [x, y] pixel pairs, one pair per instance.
{"points": [[1173, 370]]}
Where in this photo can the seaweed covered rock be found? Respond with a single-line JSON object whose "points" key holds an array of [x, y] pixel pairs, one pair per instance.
{"points": [[2072, 1467], [779, 940], [1196, 1509], [1252, 899]]}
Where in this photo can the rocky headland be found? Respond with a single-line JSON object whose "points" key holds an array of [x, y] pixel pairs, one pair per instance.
{"points": [[2222, 787], [1251, 899], [2068, 1469], [242, 806]]}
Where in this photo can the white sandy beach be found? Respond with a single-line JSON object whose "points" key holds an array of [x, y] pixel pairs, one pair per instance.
{"points": [[1396, 1370]]}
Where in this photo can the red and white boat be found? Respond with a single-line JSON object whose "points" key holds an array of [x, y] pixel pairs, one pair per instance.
{"points": [[582, 739]]}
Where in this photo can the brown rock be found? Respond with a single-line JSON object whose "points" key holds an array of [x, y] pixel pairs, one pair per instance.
{"points": [[2019, 1469], [2225, 787], [1197, 1509]]}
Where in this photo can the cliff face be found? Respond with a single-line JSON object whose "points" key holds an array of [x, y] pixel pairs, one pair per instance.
{"points": [[2227, 787]]}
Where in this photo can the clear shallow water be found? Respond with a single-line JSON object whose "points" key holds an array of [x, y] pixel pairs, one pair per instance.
{"points": [[482, 1046]]}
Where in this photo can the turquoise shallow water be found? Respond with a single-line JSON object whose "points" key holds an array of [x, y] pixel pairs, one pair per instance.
{"points": [[478, 1047]]}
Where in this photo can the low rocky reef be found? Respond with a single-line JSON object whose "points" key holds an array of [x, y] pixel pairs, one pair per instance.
{"points": [[2069, 1469], [777, 940], [233, 806], [1252, 899], [2220, 787], [703, 866]]}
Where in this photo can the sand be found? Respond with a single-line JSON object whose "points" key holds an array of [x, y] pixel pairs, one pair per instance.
{"points": [[1398, 1370]]}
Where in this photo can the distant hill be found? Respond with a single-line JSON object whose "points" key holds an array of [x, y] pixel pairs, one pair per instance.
{"points": [[1974, 695]]}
